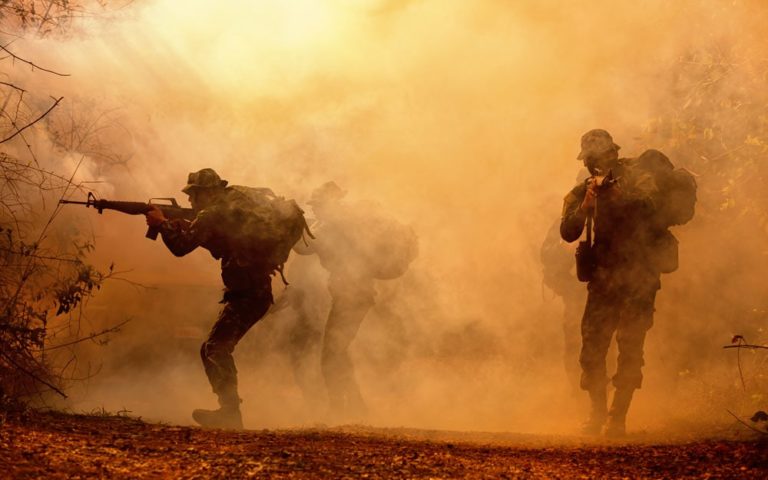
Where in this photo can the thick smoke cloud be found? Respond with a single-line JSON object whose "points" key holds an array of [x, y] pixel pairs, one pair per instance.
{"points": [[462, 118]]}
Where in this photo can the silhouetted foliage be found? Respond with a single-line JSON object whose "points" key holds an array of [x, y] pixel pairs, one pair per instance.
{"points": [[42, 274]]}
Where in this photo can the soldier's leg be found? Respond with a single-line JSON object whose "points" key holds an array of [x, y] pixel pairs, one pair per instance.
{"points": [[597, 327], [572, 315], [304, 339], [344, 319], [237, 316], [636, 320]]}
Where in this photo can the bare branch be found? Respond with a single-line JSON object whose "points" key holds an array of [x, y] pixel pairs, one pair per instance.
{"points": [[7, 161], [39, 257], [12, 86], [13, 122], [16, 57], [747, 346], [113, 329], [27, 272], [44, 20], [32, 375], [746, 424], [19, 130]]}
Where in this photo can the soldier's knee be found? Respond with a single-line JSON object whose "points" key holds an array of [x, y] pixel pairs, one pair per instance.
{"points": [[592, 355], [631, 342], [210, 350], [640, 310]]}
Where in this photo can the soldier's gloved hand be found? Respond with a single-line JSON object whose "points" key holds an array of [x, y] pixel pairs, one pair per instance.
{"points": [[590, 199], [608, 192], [155, 217]]}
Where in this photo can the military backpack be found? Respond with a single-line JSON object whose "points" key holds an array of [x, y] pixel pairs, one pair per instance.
{"points": [[268, 226], [677, 188], [676, 203]]}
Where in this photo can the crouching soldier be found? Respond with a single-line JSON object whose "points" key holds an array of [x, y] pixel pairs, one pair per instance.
{"points": [[250, 231]]}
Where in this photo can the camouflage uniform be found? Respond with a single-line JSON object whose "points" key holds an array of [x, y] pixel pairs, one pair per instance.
{"points": [[352, 297], [351, 300], [623, 289], [351, 286], [247, 281]]}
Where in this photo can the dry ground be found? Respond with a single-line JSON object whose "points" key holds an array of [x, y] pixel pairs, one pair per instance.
{"points": [[56, 445]]}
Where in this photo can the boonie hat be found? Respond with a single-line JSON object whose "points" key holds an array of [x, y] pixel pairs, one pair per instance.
{"points": [[596, 142], [205, 178]]}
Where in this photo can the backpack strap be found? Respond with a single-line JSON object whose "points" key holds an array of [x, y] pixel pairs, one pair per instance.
{"points": [[306, 229], [589, 218], [280, 268]]}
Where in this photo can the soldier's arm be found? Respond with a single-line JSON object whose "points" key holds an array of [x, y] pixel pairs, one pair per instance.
{"points": [[303, 247], [573, 219], [181, 236]]}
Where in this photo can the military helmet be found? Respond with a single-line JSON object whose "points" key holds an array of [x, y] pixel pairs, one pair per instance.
{"points": [[596, 142], [326, 192], [205, 178]]}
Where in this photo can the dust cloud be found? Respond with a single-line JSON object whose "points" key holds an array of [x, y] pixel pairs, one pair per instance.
{"points": [[460, 118]]}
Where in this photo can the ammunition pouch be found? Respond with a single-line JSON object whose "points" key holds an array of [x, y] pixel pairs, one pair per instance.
{"points": [[586, 260]]}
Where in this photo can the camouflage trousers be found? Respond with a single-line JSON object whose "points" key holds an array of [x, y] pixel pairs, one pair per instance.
{"points": [[572, 314], [346, 315], [240, 312], [626, 311]]}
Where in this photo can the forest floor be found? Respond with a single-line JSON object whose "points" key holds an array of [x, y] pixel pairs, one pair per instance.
{"points": [[57, 445]]}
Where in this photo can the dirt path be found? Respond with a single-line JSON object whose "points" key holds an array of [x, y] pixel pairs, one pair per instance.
{"points": [[53, 445]]}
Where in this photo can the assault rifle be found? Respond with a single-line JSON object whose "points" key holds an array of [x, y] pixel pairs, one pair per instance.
{"points": [[170, 209]]}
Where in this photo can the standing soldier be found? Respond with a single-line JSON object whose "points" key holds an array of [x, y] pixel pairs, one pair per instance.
{"points": [[632, 247], [351, 285], [226, 223], [357, 247]]}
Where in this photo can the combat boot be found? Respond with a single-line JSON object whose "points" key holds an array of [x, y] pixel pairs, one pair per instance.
{"points": [[227, 416], [597, 413], [617, 416]]}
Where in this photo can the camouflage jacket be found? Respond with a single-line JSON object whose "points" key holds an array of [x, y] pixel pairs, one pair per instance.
{"points": [[342, 247], [624, 228], [217, 228]]}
